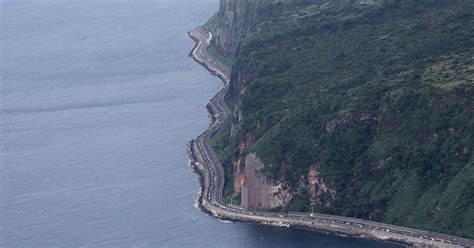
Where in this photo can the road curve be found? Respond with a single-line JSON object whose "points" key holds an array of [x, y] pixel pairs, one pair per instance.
{"points": [[205, 162]]}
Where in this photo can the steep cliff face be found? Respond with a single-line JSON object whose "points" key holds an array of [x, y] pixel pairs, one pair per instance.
{"points": [[231, 23], [235, 18], [257, 193], [320, 193], [358, 108]]}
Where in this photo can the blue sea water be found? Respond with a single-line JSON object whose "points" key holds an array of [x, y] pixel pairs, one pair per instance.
{"points": [[98, 102]]}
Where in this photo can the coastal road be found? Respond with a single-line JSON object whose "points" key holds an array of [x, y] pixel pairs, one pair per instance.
{"points": [[206, 163]]}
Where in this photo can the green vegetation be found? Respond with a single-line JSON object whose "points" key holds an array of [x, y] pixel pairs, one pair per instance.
{"points": [[224, 149], [380, 95], [212, 49]]}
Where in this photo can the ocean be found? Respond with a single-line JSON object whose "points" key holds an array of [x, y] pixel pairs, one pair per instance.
{"points": [[98, 102]]}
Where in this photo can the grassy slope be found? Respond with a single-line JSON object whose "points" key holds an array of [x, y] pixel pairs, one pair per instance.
{"points": [[408, 67]]}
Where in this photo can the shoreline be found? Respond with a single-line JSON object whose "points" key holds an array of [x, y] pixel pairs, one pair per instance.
{"points": [[204, 64], [211, 202]]}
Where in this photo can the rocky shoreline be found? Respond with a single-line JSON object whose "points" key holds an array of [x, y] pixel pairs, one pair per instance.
{"points": [[324, 224], [204, 64]]}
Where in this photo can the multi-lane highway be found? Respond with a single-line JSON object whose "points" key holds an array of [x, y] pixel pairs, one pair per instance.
{"points": [[205, 161]]}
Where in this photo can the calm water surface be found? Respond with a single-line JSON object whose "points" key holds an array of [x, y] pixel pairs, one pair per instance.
{"points": [[98, 102]]}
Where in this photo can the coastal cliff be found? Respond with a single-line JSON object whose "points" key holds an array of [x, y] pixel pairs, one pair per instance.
{"points": [[212, 177], [355, 108]]}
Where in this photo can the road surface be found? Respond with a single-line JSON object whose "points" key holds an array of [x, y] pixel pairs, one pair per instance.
{"points": [[205, 161]]}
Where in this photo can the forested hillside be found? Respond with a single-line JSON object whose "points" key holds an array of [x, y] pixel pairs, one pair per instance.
{"points": [[355, 108]]}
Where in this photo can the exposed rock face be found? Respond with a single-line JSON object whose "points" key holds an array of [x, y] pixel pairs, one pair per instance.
{"points": [[239, 164], [380, 130], [224, 33], [368, 118], [239, 176], [234, 19], [257, 193], [319, 191], [231, 25]]}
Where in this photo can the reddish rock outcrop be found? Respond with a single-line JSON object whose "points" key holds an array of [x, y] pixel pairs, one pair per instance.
{"points": [[257, 192], [319, 190]]}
